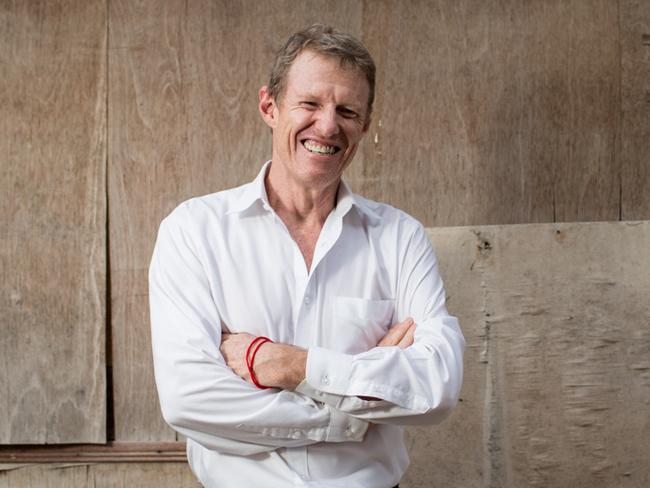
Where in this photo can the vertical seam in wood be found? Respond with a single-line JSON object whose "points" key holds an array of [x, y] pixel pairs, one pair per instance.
{"points": [[619, 123], [110, 421]]}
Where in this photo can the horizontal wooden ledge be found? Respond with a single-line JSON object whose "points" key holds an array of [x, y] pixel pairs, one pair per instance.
{"points": [[113, 452]]}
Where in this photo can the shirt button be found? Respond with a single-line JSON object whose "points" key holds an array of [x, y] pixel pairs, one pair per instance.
{"points": [[326, 380], [307, 300]]}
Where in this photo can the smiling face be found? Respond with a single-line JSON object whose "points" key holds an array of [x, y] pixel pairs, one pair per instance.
{"points": [[318, 121]]}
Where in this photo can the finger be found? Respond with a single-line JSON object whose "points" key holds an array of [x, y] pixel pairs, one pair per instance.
{"points": [[408, 338], [395, 333]]}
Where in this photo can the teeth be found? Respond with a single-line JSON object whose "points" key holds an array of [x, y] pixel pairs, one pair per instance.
{"points": [[319, 148]]}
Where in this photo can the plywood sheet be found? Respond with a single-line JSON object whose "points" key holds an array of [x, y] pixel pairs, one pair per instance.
{"points": [[634, 148], [573, 328], [113, 475], [559, 393], [52, 221], [183, 122], [493, 112]]}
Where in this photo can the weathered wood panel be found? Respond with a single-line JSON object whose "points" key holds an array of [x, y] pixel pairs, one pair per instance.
{"points": [[494, 112], [564, 367], [127, 475], [634, 147], [52, 221], [183, 121], [573, 326]]}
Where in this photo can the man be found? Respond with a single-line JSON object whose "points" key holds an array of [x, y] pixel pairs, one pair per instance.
{"points": [[295, 256]]}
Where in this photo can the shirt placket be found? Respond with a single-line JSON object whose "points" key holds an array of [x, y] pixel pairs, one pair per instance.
{"points": [[306, 306]]}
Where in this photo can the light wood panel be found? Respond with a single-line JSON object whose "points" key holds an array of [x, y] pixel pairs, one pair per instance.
{"points": [[126, 475], [183, 122], [634, 147], [494, 112], [558, 394], [573, 325], [52, 221]]}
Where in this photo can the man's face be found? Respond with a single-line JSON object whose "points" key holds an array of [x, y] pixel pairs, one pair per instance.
{"points": [[319, 120]]}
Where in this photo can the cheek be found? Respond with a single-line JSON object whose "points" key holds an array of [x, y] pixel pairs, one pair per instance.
{"points": [[355, 135]]}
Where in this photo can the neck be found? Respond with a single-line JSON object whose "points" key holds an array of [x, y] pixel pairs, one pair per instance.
{"points": [[299, 203]]}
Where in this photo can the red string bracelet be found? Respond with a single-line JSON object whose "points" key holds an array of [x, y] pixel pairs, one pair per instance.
{"points": [[250, 346], [254, 346]]}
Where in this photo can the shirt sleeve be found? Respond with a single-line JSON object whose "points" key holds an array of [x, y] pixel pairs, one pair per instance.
{"points": [[200, 396], [416, 385]]}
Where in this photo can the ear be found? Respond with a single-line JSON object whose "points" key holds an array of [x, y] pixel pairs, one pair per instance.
{"points": [[267, 107]]}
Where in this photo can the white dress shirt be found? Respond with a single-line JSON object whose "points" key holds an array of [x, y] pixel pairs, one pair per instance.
{"points": [[226, 261]]}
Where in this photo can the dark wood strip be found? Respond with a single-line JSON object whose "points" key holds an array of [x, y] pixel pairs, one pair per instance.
{"points": [[118, 452]]}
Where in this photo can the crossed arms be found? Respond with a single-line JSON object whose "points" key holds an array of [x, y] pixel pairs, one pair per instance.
{"points": [[199, 371]]}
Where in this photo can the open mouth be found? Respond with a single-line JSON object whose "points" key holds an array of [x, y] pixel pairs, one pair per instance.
{"points": [[317, 148]]}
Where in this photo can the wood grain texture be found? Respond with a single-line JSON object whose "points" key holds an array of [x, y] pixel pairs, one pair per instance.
{"points": [[183, 122], [125, 452], [52, 221], [634, 147], [126, 475], [493, 112], [561, 387], [573, 326]]}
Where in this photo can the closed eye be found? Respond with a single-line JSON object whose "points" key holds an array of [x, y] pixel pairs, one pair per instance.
{"points": [[348, 113]]}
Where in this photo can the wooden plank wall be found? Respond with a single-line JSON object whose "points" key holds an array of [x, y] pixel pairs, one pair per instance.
{"points": [[487, 113], [494, 112], [52, 222], [557, 323]]}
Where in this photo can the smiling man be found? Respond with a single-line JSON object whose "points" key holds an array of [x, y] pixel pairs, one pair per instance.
{"points": [[296, 326]]}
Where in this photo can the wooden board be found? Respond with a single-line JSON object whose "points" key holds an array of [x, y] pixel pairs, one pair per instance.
{"points": [[113, 475], [183, 122], [634, 149], [52, 221], [559, 394], [494, 112]]}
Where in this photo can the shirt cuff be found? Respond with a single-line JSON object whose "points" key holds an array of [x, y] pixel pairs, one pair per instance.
{"points": [[342, 426], [328, 371], [345, 428]]}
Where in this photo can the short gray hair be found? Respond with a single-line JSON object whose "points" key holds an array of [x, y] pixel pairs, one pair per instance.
{"points": [[326, 40]]}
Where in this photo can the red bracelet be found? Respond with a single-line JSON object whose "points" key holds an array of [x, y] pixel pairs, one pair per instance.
{"points": [[254, 346], [250, 346]]}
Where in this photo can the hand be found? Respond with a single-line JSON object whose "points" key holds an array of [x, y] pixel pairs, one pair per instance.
{"points": [[276, 365], [400, 335], [233, 349]]}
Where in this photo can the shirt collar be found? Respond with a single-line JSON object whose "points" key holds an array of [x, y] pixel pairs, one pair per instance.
{"points": [[255, 191], [346, 199]]}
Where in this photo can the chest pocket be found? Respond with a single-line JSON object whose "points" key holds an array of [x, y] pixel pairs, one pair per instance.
{"points": [[359, 323]]}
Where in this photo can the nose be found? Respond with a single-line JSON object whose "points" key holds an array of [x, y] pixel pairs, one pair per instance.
{"points": [[327, 122]]}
